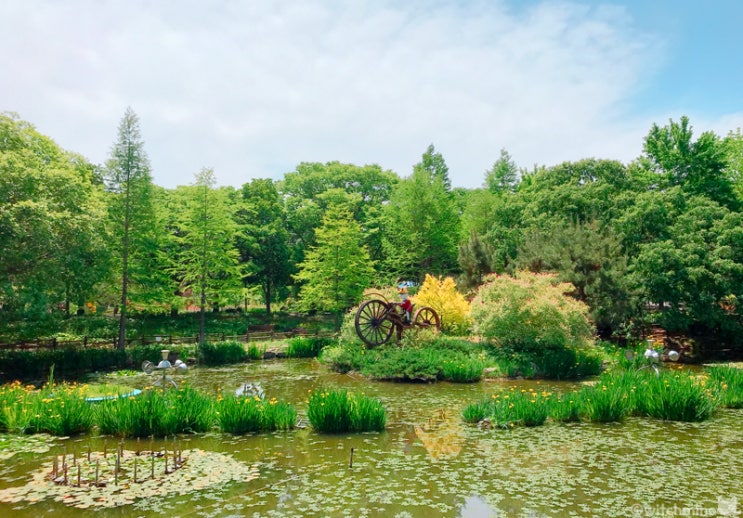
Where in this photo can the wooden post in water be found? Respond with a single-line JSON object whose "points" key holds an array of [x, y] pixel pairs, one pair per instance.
{"points": [[350, 464]]}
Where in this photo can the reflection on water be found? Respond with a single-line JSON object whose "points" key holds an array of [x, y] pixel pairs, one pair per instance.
{"points": [[428, 463]]}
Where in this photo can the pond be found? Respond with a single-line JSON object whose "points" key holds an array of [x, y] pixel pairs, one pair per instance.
{"points": [[429, 463]]}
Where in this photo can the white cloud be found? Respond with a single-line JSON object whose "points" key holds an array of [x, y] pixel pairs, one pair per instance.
{"points": [[253, 88]]}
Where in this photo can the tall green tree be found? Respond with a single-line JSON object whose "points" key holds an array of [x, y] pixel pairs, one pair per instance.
{"points": [[503, 176], [336, 271], [129, 182], [208, 263], [699, 166], [421, 225], [52, 245], [433, 162], [264, 238]]}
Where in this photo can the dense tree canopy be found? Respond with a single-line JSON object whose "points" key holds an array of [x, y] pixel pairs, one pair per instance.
{"points": [[657, 240]]}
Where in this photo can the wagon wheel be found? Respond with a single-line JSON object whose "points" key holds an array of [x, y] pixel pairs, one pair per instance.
{"points": [[372, 324], [427, 318]]}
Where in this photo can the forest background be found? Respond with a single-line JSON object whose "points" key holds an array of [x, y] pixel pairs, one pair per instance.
{"points": [[658, 240]]}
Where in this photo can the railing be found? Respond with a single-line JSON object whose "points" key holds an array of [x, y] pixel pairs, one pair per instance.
{"points": [[250, 336]]}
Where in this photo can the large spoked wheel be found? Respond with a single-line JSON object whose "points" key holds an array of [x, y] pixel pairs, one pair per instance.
{"points": [[427, 317], [372, 324]]}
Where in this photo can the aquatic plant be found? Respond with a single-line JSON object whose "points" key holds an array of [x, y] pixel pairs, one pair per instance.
{"points": [[221, 353], [728, 382], [306, 346], [511, 408], [675, 396], [156, 412], [255, 352], [60, 410], [463, 369], [339, 411], [241, 415]]}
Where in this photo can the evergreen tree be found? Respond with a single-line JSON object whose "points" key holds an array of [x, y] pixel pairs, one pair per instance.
{"points": [[128, 179], [336, 271]]}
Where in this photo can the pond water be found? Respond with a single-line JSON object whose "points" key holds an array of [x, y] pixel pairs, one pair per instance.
{"points": [[429, 463]]}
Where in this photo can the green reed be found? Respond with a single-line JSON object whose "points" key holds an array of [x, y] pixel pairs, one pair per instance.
{"points": [[675, 396], [241, 415], [728, 382], [339, 411]]}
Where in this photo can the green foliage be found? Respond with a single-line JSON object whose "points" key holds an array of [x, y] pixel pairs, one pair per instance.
{"points": [[263, 241], [306, 346], [673, 396], [156, 413], [510, 408], [423, 357], [339, 411], [729, 383], [255, 352], [421, 222], [589, 258], [567, 364], [69, 362], [530, 312], [222, 353], [241, 415], [336, 271]]}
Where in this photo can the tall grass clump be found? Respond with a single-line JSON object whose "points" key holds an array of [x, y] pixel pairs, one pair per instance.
{"points": [[675, 396], [15, 414], [255, 352], [511, 408], [729, 384], [61, 410], [241, 415], [306, 346], [463, 369], [339, 411], [222, 353], [610, 399], [156, 412]]}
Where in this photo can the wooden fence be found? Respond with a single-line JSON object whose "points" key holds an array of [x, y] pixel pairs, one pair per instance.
{"points": [[255, 335]]}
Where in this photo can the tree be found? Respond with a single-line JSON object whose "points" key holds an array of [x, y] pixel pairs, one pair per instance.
{"points": [[208, 262], [589, 258], [698, 167], [129, 182], [335, 271], [264, 238], [503, 176], [421, 225], [313, 187], [435, 165], [51, 239]]}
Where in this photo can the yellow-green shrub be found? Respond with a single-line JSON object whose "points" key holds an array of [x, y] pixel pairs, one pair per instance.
{"points": [[441, 294], [530, 312]]}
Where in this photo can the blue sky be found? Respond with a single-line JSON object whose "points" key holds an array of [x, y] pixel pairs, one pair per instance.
{"points": [[253, 88]]}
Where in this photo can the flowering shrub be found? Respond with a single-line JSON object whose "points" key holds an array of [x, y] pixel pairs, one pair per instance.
{"points": [[441, 294], [530, 312]]}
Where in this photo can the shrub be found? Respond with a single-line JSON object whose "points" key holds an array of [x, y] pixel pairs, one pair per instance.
{"points": [[530, 312], [306, 346], [442, 295], [221, 353], [338, 411]]}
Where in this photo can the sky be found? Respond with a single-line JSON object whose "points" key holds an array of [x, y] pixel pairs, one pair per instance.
{"points": [[252, 88]]}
